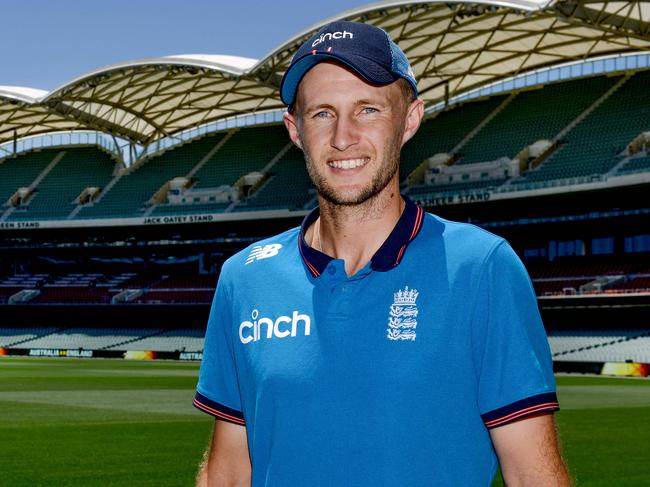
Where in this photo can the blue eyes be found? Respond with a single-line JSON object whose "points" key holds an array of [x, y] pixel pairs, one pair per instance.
{"points": [[364, 111]]}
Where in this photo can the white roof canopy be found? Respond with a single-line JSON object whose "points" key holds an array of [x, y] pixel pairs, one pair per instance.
{"points": [[453, 48]]}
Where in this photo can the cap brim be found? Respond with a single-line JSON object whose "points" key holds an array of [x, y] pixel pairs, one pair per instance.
{"points": [[369, 70]]}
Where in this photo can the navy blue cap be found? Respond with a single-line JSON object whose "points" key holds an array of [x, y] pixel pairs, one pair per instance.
{"points": [[364, 48]]}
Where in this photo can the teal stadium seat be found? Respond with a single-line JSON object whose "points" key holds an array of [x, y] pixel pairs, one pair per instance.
{"points": [[637, 164], [594, 146], [248, 150], [128, 198], [79, 168], [443, 132], [532, 116], [288, 186], [22, 170]]}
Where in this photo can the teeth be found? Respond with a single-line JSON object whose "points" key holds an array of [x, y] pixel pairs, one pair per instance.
{"points": [[348, 163]]}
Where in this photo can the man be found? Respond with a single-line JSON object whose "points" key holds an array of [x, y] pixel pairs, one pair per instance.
{"points": [[377, 344]]}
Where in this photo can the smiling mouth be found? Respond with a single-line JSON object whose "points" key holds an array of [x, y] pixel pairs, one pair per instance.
{"points": [[348, 163]]}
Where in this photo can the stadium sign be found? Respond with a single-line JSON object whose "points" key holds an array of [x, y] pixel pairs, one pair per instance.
{"points": [[166, 220], [190, 356], [19, 225], [57, 352], [455, 199], [151, 220]]}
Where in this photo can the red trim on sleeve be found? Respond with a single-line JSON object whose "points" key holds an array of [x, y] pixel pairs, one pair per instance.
{"points": [[218, 413], [547, 407], [529, 406]]}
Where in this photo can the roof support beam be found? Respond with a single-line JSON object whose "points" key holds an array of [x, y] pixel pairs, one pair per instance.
{"points": [[91, 121], [615, 22], [454, 48]]}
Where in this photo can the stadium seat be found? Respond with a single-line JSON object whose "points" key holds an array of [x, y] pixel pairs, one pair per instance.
{"points": [[78, 168], [595, 145]]}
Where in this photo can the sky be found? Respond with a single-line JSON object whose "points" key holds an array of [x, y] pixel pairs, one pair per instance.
{"points": [[45, 44]]}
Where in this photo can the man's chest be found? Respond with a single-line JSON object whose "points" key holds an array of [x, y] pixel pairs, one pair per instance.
{"points": [[349, 335]]}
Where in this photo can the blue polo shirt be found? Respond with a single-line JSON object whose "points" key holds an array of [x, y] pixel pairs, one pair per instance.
{"points": [[390, 377]]}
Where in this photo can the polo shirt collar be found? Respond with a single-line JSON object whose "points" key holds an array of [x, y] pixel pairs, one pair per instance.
{"points": [[389, 254]]}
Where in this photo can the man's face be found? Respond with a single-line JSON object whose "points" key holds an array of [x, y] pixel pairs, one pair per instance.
{"points": [[351, 133]]}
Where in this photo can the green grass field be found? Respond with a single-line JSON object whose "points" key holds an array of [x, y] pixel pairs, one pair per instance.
{"points": [[69, 422]]}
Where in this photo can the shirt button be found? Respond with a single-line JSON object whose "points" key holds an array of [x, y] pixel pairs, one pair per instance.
{"points": [[332, 270]]}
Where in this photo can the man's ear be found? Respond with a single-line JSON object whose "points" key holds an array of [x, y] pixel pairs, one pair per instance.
{"points": [[414, 115], [292, 127]]}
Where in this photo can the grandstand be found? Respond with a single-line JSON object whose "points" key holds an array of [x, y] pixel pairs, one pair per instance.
{"points": [[595, 145], [287, 187], [59, 186], [162, 340], [117, 249], [131, 191], [576, 114], [533, 115], [445, 130], [616, 345], [474, 132], [619, 345], [21, 171]]}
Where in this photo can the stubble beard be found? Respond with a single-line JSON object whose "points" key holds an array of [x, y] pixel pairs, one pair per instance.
{"points": [[389, 167]]}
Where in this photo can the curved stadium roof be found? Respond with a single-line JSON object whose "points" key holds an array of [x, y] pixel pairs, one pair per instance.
{"points": [[454, 47]]}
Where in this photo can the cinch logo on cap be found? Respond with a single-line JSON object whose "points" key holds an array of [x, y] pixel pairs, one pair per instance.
{"points": [[327, 36]]}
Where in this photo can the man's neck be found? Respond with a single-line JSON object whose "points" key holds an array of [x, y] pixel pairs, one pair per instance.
{"points": [[355, 233]]}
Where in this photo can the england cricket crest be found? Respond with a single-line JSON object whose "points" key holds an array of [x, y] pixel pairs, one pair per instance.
{"points": [[402, 316]]}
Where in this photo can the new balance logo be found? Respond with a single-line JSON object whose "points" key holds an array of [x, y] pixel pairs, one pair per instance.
{"points": [[281, 327], [327, 36], [263, 252]]}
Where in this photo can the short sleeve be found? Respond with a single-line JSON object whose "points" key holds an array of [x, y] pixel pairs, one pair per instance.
{"points": [[217, 392], [515, 370]]}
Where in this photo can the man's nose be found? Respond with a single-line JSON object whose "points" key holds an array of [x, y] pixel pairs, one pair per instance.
{"points": [[345, 134]]}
